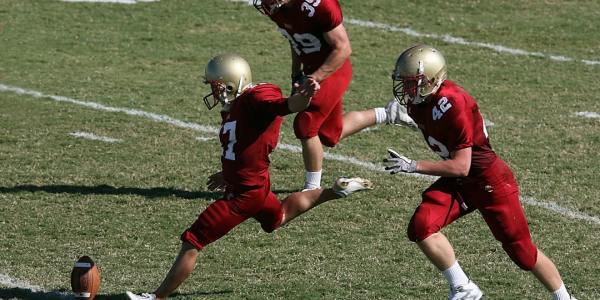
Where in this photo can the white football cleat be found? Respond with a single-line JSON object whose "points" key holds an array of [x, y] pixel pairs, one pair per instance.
{"points": [[396, 114], [345, 187], [143, 296], [469, 291]]}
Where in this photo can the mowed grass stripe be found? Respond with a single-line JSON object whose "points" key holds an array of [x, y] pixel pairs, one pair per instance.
{"points": [[456, 40], [548, 205]]}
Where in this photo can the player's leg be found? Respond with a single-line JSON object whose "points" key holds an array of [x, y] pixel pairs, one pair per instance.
{"points": [[502, 211], [301, 202], [180, 270], [547, 273], [511, 230], [438, 250], [324, 114], [213, 223], [440, 207], [312, 156], [393, 113], [355, 121]]}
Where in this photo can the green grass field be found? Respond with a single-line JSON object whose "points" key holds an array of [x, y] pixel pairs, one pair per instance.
{"points": [[125, 203]]}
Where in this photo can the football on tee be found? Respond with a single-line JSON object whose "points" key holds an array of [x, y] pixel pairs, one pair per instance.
{"points": [[85, 278]]}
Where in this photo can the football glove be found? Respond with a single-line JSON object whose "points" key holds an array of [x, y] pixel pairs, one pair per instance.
{"points": [[396, 163], [216, 182], [297, 81]]}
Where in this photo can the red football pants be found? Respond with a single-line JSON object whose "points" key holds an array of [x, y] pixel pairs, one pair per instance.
{"points": [[323, 117], [225, 214], [494, 193]]}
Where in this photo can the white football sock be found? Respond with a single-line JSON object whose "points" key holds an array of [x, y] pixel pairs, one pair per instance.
{"points": [[380, 115], [455, 276], [561, 293], [312, 180]]}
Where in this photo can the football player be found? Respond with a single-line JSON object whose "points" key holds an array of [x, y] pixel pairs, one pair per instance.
{"points": [[251, 118], [320, 50], [473, 176]]}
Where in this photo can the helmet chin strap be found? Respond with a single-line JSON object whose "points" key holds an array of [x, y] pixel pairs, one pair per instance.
{"points": [[240, 83]]}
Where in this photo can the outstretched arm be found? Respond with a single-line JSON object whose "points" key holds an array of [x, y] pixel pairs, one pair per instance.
{"points": [[338, 39], [458, 165], [296, 65]]}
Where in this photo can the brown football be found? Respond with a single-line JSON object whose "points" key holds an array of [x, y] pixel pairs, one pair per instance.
{"points": [[85, 279]]}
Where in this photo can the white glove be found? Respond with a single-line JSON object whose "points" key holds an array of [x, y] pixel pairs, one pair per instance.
{"points": [[396, 114], [397, 163]]}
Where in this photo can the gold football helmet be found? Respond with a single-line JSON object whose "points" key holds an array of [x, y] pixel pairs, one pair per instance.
{"points": [[228, 76], [419, 72]]}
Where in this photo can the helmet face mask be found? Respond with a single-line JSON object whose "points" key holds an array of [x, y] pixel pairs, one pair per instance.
{"points": [[419, 72], [228, 76], [219, 94], [268, 7], [408, 88]]}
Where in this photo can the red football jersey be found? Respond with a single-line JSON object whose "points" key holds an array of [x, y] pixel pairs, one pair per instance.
{"points": [[303, 24], [249, 133], [450, 120]]}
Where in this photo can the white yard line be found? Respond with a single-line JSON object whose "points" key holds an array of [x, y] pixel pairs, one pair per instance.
{"points": [[94, 137], [455, 40], [549, 205], [588, 114], [205, 138]]}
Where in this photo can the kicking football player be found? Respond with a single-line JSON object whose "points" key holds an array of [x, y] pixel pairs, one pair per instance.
{"points": [[473, 177], [320, 50], [251, 118]]}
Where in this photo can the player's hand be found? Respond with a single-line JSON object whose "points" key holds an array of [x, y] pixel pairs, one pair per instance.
{"points": [[297, 81], [308, 88], [396, 163], [216, 183]]}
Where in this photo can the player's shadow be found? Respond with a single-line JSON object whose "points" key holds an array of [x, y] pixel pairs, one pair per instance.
{"points": [[154, 192], [103, 189], [27, 294]]}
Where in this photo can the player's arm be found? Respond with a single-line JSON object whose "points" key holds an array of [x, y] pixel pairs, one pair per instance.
{"points": [[301, 99], [338, 39], [297, 74], [458, 165], [296, 65]]}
